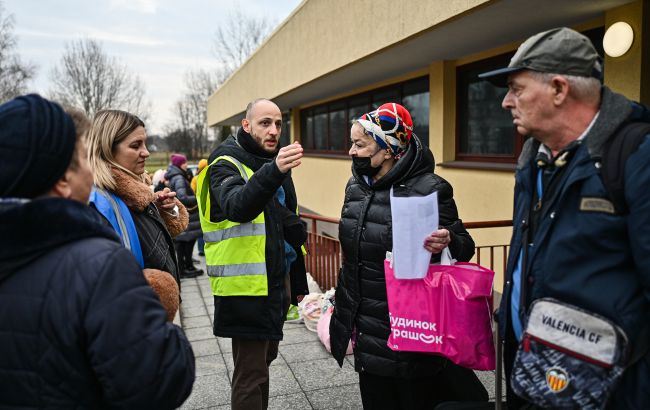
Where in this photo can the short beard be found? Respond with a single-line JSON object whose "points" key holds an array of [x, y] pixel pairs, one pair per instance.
{"points": [[260, 143]]}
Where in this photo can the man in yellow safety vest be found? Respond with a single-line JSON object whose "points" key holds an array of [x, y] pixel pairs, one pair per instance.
{"points": [[253, 245]]}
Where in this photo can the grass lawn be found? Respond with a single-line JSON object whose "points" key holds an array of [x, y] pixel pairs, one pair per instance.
{"points": [[160, 160], [156, 161]]}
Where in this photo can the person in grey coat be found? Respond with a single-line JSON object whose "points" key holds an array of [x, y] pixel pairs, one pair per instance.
{"points": [[179, 182]]}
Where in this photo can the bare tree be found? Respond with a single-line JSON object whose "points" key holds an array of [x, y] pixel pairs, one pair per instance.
{"points": [[237, 40], [191, 113], [90, 79], [200, 85], [178, 140], [233, 44], [14, 74]]}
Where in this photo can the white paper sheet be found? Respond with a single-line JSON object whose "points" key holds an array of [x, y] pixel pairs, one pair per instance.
{"points": [[413, 218]]}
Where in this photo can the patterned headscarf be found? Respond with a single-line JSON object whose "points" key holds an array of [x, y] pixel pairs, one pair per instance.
{"points": [[391, 126]]}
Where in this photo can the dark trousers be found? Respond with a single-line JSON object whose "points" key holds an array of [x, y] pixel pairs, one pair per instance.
{"points": [[509, 351], [184, 250], [250, 379], [453, 383]]}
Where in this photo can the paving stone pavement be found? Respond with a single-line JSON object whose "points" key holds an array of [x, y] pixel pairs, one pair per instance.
{"points": [[304, 376]]}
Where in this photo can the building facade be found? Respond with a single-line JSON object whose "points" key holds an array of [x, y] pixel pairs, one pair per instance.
{"points": [[332, 60]]}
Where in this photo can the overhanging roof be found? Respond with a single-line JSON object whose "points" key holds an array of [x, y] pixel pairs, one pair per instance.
{"points": [[494, 24]]}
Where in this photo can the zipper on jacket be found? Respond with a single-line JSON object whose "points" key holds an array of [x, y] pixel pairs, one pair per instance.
{"points": [[526, 347]]}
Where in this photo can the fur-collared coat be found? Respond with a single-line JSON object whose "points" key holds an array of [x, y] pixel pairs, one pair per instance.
{"points": [[155, 231]]}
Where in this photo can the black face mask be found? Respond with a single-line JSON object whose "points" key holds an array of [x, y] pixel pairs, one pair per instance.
{"points": [[363, 166]]}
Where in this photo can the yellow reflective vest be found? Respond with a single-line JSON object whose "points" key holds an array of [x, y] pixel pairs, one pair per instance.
{"points": [[234, 252]]}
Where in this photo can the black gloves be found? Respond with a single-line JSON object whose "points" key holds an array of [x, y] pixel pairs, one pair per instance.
{"points": [[295, 230]]}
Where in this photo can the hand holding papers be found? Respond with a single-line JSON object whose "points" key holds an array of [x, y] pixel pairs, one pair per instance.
{"points": [[413, 219], [437, 241]]}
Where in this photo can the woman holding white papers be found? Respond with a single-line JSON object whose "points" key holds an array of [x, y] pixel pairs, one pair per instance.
{"points": [[386, 154]]}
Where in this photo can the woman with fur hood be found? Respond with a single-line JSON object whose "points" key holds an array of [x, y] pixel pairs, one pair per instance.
{"points": [[146, 221]]}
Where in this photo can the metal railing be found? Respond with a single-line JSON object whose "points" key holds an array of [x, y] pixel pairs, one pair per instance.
{"points": [[492, 251], [324, 257]]}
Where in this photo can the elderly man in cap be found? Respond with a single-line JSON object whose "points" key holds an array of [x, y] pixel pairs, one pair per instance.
{"points": [[581, 232], [79, 326]]}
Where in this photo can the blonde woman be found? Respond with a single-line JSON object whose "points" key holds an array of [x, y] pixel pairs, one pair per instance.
{"points": [[145, 221]]}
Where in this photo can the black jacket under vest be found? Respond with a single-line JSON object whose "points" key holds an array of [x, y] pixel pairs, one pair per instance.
{"points": [[365, 234], [231, 198], [80, 328]]}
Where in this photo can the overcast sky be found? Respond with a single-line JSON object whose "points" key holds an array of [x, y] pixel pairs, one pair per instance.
{"points": [[159, 40]]}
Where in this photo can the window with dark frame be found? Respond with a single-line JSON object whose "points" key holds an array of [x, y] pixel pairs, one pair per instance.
{"points": [[484, 130], [325, 128]]}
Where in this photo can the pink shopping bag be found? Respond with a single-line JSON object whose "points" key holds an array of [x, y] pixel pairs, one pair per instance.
{"points": [[446, 313], [323, 329]]}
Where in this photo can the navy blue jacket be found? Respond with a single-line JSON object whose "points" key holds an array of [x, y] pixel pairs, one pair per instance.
{"points": [[596, 260], [79, 326]]}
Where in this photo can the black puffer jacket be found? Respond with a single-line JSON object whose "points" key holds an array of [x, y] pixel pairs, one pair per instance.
{"points": [[79, 326], [180, 183], [233, 199], [365, 234]]}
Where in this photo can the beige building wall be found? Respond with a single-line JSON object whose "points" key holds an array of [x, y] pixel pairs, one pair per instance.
{"points": [[320, 181], [305, 36], [481, 194], [629, 74], [320, 184]]}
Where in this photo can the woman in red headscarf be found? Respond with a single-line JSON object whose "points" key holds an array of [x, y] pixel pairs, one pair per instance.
{"points": [[387, 154]]}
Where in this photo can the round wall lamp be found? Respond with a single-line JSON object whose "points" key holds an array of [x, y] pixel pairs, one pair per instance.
{"points": [[618, 39]]}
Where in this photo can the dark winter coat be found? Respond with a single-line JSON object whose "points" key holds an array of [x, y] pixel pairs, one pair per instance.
{"points": [[155, 231], [365, 234], [156, 242], [596, 260], [80, 328], [179, 182], [236, 200]]}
